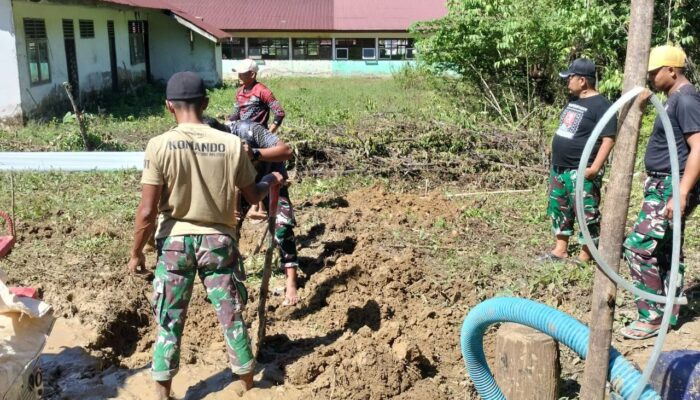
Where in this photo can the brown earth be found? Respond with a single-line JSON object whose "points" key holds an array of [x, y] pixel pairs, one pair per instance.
{"points": [[379, 317]]}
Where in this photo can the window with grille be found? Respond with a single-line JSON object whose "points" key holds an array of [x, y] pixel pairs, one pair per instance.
{"points": [[268, 49], [312, 49], [87, 28], [137, 42], [355, 48], [37, 51], [68, 29], [234, 49], [396, 49]]}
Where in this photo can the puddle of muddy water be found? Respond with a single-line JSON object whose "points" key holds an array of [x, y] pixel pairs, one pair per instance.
{"points": [[71, 372]]}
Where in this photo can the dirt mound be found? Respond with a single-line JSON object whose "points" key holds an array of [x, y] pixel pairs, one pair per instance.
{"points": [[386, 277]]}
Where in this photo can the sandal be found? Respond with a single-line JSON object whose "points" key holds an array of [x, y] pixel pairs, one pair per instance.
{"points": [[549, 257], [628, 331]]}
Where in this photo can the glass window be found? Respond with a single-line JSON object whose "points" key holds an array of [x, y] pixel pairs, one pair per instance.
{"points": [[268, 49], [137, 42], [234, 49], [37, 51], [341, 53], [355, 47], [396, 49], [312, 49]]}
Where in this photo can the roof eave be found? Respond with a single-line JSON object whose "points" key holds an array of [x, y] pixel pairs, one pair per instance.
{"points": [[214, 35]]}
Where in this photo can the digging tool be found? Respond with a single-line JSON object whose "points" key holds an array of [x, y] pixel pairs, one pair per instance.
{"points": [[7, 241], [267, 267]]}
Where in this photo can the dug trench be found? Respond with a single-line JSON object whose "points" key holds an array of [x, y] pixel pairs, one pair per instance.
{"points": [[386, 278]]}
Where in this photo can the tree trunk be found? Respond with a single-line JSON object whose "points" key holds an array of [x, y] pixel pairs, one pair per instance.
{"points": [[616, 204]]}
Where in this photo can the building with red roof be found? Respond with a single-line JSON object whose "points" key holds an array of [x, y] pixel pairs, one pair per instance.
{"points": [[98, 45], [325, 37]]}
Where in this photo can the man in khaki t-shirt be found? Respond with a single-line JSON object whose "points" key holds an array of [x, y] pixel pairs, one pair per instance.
{"points": [[189, 180]]}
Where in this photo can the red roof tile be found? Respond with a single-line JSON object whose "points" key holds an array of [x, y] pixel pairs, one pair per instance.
{"points": [[312, 15], [263, 15], [169, 6], [384, 15]]}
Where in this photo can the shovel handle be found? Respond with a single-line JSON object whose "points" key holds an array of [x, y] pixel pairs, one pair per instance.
{"points": [[273, 197], [267, 267]]}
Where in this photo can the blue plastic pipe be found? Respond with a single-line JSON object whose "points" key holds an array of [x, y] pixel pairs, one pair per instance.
{"points": [[623, 376]]}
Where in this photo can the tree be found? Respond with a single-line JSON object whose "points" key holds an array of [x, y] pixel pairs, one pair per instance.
{"points": [[513, 49]]}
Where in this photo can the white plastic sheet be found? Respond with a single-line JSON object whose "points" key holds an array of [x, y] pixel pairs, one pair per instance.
{"points": [[25, 325], [70, 161]]}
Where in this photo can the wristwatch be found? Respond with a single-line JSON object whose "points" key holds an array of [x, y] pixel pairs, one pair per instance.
{"points": [[256, 154]]}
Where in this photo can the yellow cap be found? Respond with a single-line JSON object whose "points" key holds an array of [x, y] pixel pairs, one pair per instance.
{"points": [[666, 56]]}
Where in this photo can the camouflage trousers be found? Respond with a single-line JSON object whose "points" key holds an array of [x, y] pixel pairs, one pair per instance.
{"points": [[561, 207], [216, 260], [284, 229], [648, 248]]}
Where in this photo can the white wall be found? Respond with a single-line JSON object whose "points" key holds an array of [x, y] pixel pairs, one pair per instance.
{"points": [[92, 53], [284, 68], [321, 67], [169, 45], [10, 98], [171, 51]]}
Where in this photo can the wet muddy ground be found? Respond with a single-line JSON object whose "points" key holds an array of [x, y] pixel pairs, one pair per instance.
{"points": [[387, 275]]}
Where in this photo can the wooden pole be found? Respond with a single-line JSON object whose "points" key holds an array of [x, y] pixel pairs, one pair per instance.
{"points": [[616, 204], [267, 268], [78, 116], [527, 363]]}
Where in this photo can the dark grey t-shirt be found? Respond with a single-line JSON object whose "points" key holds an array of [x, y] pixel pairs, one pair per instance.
{"points": [[258, 137], [683, 109], [576, 123]]}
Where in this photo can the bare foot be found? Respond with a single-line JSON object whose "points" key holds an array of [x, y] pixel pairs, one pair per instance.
{"points": [[291, 297], [638, 330], [163, 389]]}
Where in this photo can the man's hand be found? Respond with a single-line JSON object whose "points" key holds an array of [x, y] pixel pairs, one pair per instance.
{"points": [[136, 261], [273, 127], [590, 173], [669, 207], [248, 150], [273, 179], [643, 98]]}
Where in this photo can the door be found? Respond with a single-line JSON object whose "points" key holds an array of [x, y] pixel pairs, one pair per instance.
{"points": [[71, 56], [147, 52], [112, 55]]}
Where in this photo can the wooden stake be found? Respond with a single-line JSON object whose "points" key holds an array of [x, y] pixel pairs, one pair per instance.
{"points": [[78, 115], [267, 269], [616, 204], [12, 204], [527, 363]]}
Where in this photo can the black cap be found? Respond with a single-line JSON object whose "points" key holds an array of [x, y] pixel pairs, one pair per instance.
{"points": [[185, 86], [581, 67]]}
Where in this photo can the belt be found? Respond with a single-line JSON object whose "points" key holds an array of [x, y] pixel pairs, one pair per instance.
{"points": [[561, 170], [658, 174]]}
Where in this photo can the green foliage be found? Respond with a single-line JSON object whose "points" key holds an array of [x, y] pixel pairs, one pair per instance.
{"points": [[512, 49]]}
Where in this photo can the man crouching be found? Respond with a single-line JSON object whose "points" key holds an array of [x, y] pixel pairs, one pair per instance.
{"points": [[189, 177]]}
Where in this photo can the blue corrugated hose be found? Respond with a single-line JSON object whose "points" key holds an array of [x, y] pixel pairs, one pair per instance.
{"points": [[623, 376]]}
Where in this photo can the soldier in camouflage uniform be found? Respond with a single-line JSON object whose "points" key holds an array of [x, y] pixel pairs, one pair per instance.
{"points": [[189, 182], [268, 153], [577, 121], [648, 247]]}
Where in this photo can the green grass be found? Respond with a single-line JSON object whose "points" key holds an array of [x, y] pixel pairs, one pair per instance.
{"points": [[313, 105]]}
